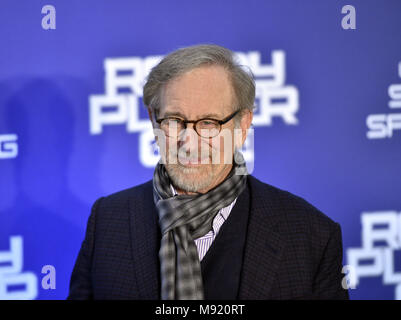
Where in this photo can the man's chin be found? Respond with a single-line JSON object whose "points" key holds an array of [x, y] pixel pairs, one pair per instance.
{"points": [[189, 178], [189, 171], [185, 162]]}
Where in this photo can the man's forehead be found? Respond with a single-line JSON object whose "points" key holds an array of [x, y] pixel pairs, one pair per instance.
{"points": [[190, 98], [196, 109], [193, 114]]}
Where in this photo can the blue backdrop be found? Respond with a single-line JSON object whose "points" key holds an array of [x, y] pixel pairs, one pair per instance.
{"points": [[73, 127]]}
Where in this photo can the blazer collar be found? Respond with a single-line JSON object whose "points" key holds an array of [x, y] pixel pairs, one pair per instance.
{"points": [[146, 237], [262, 252], [263, 246]]}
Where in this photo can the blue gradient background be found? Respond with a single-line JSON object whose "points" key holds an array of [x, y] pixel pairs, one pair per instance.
{"points": [[46, 78]]}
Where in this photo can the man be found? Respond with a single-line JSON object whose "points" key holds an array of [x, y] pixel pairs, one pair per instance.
{"points": [[203, 228]]}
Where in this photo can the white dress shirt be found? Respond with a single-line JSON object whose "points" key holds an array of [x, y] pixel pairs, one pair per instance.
{"points": [[203, 243]]}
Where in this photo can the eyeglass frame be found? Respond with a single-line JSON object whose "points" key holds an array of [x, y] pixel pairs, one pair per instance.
{"points": [[220, 122]]}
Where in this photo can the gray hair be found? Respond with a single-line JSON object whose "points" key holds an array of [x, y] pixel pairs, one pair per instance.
{"points": [[185, 59]]}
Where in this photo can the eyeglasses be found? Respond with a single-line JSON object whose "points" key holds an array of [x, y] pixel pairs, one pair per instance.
{"points": [[206, 128]]}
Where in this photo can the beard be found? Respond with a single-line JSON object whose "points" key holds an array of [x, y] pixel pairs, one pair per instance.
{"points": [[188, 177], [192, 179], [195, 178]]}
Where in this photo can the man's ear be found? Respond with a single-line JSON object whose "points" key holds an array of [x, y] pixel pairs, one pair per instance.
{"points": [[246, 121], [151, 117]]}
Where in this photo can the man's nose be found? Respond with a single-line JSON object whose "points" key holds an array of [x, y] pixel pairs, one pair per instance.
{"points": [[188, 137]]}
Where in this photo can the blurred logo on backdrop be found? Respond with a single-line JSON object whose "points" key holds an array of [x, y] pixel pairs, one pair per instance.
{"points": [[380, 254], [382, 126], [14, 283], [122, 100], [8, 146]]}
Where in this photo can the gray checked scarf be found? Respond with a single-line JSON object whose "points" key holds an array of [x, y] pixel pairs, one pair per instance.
{"points": [[183, 218]]}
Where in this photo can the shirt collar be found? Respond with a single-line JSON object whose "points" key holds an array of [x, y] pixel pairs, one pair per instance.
{"points": [[224, 212], [172, 189]]}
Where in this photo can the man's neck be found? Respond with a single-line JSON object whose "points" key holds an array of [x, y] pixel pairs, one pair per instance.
{"points": [[180, 191]]}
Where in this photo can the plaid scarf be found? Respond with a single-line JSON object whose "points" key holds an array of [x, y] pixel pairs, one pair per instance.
{"points": [[183, 218]]}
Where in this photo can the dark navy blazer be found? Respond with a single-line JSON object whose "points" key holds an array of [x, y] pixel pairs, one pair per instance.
{"points": [[291, 249]]}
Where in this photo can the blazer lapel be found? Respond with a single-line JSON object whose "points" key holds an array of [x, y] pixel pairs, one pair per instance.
{"points": [[262, 252], [145, 235], [263, 246]]}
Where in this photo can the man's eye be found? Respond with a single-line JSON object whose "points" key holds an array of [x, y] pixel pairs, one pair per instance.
{"points": [[207, 123], [174, 121]]}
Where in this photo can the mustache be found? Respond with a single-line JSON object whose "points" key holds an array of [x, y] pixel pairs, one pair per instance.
{"points": [[203, 154], [192, 155], [184, 157]]}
